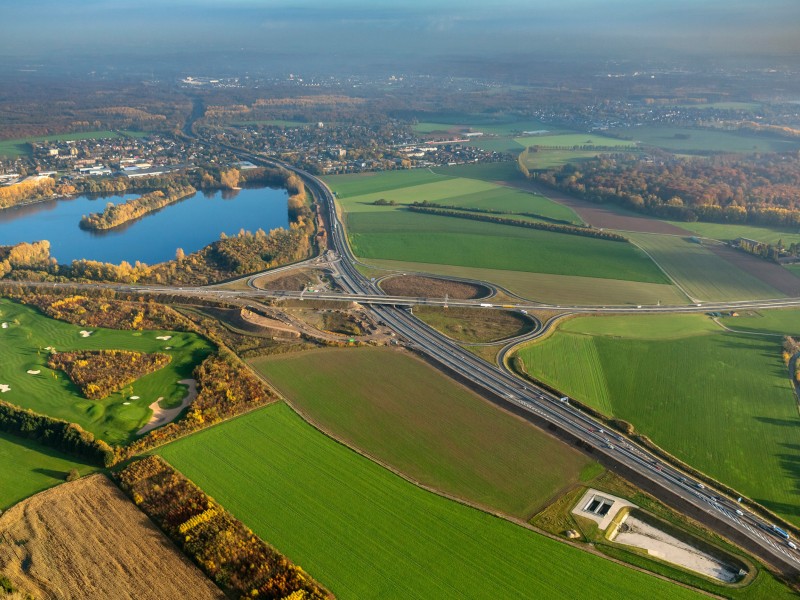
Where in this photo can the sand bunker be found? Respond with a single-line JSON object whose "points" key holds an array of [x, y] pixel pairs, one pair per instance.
{"points": [[134, 398], [4, 325], [85, 333], [162, 416], [50, 349], [167, 347], [34, 371], [164, 337], [4, 388], [126, 403]]}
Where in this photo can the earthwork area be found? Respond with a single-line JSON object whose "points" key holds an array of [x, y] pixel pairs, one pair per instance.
{"points": [[417, 286], [85, 539]]}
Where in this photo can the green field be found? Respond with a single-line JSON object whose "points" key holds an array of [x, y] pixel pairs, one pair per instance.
{"points": [[781, 322], [446, 437], [548, 288], [499, 171], [548, 159], [19, 147], [366, 533], [277, 123], [706, 140], [488, 124], [725, 231], [29, 467], [722, 402], [392, 233], [22, 346], [704, 275], [570, 140]]}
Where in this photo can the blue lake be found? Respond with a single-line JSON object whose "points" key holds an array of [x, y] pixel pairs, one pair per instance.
{"points": [[189, 224]]}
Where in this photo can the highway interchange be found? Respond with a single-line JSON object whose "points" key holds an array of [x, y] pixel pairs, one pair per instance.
{"points": [[727, 516]]}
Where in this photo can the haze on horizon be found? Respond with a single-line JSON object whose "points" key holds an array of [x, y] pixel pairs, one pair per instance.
{"points": [[358, 32]]}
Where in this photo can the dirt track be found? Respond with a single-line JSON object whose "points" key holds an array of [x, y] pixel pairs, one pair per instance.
{"points": [[85, 540]]}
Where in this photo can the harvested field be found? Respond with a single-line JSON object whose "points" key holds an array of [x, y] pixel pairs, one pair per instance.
{"points": [[602, 216], [417, 286], [769, 272], [475, 325], [85, 540]]}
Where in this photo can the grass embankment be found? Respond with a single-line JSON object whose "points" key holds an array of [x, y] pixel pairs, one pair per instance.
{"points": [[23, 346], [704, 275], [29, 468], [21, 146], [366, 533], [722, 402], [407, 414], [493, 252], [475, 325]]}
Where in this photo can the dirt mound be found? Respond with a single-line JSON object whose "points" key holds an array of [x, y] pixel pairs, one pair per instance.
{"points": [[417, 286], [86, 540], [266, 325]]}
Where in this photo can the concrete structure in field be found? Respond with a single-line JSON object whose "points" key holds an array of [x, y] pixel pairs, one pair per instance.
{"points": [[599, 507]]}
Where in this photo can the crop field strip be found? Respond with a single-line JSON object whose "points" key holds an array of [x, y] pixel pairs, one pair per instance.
{"points": [[722, 402], [365, 532], [550, 288], [29, 467], [23, 346], [85, 539], [692, 141], [704, 275], [390, 233], [408, 415], [20, 147]]}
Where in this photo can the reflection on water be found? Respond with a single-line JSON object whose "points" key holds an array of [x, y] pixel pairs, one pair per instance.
{"points": [[189, 224]]}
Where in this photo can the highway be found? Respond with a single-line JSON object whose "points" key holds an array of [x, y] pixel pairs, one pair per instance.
{"points": [[768, 545], [667, 481]]}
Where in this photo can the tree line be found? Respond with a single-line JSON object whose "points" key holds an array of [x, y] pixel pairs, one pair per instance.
{"points": [[762, 190], [240, 562], [492, 211], [54, 433], [773, 252], [568, 229], [115, 215], [26, 191], [100, 373]]}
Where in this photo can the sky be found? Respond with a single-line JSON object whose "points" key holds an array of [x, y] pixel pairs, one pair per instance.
{"points": [[414, 29]]}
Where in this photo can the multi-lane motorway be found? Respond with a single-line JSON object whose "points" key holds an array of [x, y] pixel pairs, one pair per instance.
{"points": [[727, 513], [661, 478]]}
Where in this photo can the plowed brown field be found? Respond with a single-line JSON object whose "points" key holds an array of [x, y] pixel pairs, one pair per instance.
{"points": [[86, 540]]}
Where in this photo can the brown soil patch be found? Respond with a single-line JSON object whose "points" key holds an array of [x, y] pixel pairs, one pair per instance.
{"points": [[295, 280], [86, 540], [416, 286], [770, 273], [599, 216], [267, 325]]}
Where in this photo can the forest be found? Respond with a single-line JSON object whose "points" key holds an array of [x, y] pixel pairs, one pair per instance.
{"points": [[115, 215], [762, 189], [26, 191], [100, 373], [239, 561]]}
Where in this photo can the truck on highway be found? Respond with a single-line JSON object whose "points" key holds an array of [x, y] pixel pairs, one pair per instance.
{"points": [[486, 305], [778, 531]]}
